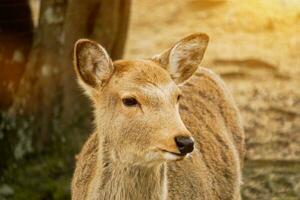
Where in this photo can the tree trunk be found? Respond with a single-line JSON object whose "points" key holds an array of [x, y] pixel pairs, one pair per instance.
{"points": [[39, 95], [49, 94], [50, 115]]}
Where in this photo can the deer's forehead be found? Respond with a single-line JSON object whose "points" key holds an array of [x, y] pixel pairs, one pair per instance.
{"points": [[146, 89], [144, 77], [156, 91], [142, 71]]}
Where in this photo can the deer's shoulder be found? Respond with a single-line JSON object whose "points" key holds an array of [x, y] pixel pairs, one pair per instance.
{"points": [[85, 167]]}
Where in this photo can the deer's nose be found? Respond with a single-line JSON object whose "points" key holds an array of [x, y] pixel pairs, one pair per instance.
{"points": [[184, 144]]}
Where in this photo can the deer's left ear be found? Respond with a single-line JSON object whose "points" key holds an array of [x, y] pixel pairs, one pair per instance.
{"points": [[183, 59]]}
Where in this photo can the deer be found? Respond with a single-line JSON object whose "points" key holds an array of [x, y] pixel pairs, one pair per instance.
{"points": [[165, 128]]}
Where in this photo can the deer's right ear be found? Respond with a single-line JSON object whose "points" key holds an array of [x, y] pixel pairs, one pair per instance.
{"points": [[92, 64]]}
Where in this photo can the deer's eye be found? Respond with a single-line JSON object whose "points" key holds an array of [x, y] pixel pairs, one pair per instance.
{"points": [[178, 98], [130, 101]]}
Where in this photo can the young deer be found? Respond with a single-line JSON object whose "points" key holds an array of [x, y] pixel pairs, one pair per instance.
{"points": [[146, 120]]}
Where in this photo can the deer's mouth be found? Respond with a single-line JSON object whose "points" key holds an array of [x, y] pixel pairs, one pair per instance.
{"points": [[169, 155]]}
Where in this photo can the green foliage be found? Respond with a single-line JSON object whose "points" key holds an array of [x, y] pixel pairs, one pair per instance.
{"points": [[39, 177], [29, 173]]}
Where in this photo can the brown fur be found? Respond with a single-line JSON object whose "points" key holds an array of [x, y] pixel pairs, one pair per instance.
{"points": [[121, 160]]}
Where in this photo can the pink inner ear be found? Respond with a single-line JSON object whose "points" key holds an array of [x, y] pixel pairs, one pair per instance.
{"points": [[92, 62], [185, 57]]}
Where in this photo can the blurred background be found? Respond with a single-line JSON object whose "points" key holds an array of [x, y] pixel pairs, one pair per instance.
{"points": [[44, 118]]}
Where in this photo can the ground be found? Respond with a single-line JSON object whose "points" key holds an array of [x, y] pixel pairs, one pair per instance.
{"points": [[255, 47]]}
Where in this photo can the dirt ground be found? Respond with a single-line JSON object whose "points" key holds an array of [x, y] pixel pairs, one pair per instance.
{"points": [[255, 47]]}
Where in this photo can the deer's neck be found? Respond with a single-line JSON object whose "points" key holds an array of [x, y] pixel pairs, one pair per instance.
{"points": [[117, 180]]}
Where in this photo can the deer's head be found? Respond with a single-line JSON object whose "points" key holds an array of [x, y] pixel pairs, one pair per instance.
{"points": [[136, 102]]}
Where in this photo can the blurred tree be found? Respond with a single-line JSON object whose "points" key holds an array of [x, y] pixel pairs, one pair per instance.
{"points": [[49, 117], [15, 41], [16, 35]]}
